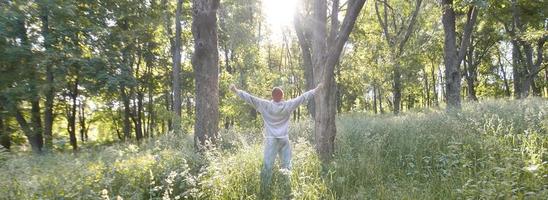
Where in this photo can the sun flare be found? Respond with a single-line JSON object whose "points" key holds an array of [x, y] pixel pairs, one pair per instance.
{"points": [[279, 13]]}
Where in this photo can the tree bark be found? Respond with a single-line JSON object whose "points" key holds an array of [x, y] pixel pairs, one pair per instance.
{"points": [[176, 46], [324, 62], [426, 87], [205, 62], [504, 79], [49, 90], [532, 67], [434, 86], [33, 136], [303, 33], [71, 111], [5, 138], [375, 99], [453, 56], [126, 113], [470, 71], [82, 121], [34, 132]]}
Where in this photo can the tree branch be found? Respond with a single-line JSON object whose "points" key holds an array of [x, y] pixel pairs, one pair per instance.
{"points": [[382, 22], [468, 29], [352, 14], [410, 26]]}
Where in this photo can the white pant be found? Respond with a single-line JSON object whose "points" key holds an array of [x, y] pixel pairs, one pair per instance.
{"points": [[272, 148]]}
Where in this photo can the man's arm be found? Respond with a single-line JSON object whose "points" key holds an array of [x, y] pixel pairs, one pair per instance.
{"points": [[254, 101], [294, 103]]}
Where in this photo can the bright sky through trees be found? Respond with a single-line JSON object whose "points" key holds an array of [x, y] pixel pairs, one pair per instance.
{"points": [[279, 15]]}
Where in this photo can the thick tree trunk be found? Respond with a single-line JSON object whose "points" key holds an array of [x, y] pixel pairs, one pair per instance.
{"points": [[452, 56], [205, 62], [176, 47], [324, 63], [34, 137], [532, 67], [452, 72], [33, 132]]}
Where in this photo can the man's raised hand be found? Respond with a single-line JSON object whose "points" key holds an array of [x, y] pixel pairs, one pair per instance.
{"points": [[319, 86], [233, 87]]}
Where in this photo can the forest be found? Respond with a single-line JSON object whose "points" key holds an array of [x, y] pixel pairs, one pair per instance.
{"points": [[420, 99]]}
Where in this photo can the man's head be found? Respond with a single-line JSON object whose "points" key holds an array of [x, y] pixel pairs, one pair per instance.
{"points": [[277, 94]]}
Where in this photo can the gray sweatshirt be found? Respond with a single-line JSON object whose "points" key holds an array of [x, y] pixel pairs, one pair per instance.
{"points": [[276, 115]]}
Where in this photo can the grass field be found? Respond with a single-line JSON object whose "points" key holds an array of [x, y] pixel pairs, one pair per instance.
{"points": [[492, 150]]}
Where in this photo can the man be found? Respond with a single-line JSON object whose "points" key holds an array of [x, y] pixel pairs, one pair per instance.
{"points": [[276, 114]]}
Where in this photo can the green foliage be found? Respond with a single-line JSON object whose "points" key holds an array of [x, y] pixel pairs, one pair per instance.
{"points": [[492, 150], [496, 149]]}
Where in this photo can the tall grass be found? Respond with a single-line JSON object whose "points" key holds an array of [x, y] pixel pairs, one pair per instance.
{"points": [[491, 150]]}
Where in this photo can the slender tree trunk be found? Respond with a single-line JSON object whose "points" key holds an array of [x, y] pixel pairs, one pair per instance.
{"points": [[5, 138], [205, 62], [546, 82], [71, 113], [150, 106], [379, 96], [139, 116], [36, 119], [375, 99], [426, 87], [49, 90], [434, 86], [396, 87], [34, 138], [504, 78], [167, 93], [126, 113], [302, 35], [82, 121], [177, 102], [516, 70], [470, 72]]}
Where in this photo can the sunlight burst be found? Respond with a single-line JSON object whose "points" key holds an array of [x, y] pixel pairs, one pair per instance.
{"points": [[279, 13]]}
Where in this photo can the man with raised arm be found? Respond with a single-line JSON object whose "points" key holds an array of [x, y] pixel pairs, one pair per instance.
{"points": [[276, 114]]}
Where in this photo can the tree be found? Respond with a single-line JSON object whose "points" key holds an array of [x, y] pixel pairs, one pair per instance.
{"points": [[523, 28], [50, 92], [324, 61], [302, 28], [453, 56], [205, 63], [176, 49], [396, 33]]}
